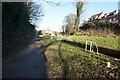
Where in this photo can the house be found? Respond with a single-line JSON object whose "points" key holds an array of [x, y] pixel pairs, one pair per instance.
{"points": [[111, 17], [48, 32], [119, 12], [119, 16], [96, 16]]}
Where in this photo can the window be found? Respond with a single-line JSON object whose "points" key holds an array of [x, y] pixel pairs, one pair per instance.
{"points": [[110, 20], [114, 19]]}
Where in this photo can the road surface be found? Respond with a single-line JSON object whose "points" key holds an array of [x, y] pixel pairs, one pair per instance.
{"points": [[29, 63]]}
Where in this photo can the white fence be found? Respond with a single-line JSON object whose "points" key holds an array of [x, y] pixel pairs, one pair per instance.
{"points": [[91, 43]]}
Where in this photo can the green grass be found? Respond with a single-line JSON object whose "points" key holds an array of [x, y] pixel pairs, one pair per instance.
{"points": [[108, 42], [46, 41], [68, 61]]}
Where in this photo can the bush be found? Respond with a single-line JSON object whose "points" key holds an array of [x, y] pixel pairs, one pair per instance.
{"points": [[16, 28], [87, 25], [97, 25], [101, 27]]}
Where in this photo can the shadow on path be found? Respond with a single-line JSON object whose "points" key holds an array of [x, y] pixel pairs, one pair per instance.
{"points": [[64, 62], [29, 63]]}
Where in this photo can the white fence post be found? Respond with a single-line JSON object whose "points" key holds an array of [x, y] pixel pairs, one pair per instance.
{"points": [[91, 46], [86, 46], [108, 64], [96, 47]]}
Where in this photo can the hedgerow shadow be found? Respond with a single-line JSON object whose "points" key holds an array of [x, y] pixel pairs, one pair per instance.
{"points": [[63, 61]]}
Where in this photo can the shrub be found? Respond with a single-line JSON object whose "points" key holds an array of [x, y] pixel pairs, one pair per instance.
{"points": [[87, 25], [97, 25], [102, 27]]}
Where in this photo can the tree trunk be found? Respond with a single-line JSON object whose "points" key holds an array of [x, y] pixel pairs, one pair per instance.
{"points": [[79, 6]]}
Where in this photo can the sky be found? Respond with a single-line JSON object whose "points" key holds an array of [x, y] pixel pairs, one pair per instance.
{"points": [[54, 15]]}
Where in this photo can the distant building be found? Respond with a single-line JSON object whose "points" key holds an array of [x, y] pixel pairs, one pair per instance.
{"points": [[48, 32], [111, 17], [119, 12], [96, 16]]}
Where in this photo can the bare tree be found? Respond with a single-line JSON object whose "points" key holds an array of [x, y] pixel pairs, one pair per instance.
{"points": [[53, 3], [35, 11], [63, 29], [69, 23]]}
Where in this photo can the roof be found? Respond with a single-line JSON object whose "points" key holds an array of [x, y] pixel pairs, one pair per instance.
{"points": [[96, 15]]}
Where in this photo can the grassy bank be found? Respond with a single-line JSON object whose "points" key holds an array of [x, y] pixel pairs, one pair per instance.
{"points": [[109, 42], [69, 61]]}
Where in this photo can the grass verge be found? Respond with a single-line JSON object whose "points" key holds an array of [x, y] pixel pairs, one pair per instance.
{"points": [[67, 61], [109, 42]]}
